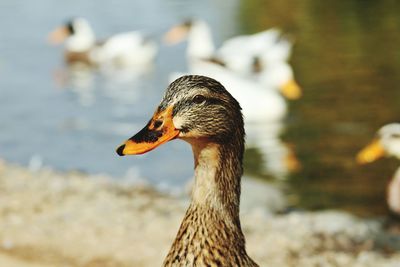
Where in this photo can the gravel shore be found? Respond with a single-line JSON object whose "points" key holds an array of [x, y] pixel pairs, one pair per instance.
{"points": [[72, 219]]}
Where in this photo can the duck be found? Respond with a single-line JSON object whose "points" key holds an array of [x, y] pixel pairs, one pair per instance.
{"points": [[279, 75], [249, 54], [243, 54], [272, 71], [386, 143], [130, 49], [200, 111], [199, 36]]}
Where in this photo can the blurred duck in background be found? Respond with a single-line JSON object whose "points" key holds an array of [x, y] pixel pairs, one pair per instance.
{"points": [[279, 75], [261, 57], [237, 53], [247, 54], [386, 143], [259, 97], [124, 50]]}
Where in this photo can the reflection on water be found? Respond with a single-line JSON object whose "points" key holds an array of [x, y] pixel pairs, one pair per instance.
{"points": [[345, 57], [275, 157]]}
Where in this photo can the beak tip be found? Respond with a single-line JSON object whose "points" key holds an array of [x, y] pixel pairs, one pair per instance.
{"points": [[120, 150]]}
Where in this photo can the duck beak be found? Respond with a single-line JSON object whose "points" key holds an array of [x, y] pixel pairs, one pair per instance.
{"points": [[175, 35], [58, 36], [291, 90], [158, 131], [371, 152]]}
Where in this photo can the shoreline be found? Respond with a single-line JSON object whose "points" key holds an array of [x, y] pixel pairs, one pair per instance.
{"points": [[50, 218]]}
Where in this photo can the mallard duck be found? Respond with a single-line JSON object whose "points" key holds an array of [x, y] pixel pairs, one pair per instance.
{"points": [[122, 50], [387, 143], [200, 111]]}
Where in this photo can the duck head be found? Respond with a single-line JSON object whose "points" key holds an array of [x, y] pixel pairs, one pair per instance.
{"points": [[199, 36], [196, 109], [386, 143], [280, 75], [179, 32], [76, 32]]}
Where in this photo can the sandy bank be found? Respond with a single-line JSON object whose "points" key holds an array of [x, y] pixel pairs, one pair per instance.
{"points": [[70, 219]]}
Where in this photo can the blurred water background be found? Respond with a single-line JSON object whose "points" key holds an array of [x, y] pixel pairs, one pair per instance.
{"points": [[346, 58]]}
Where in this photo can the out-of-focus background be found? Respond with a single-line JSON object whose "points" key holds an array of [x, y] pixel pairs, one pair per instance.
{"points": [[345, 57]]}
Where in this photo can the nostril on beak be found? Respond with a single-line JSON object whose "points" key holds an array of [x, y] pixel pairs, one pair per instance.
{"points": [[157, 124], [120, 150]]}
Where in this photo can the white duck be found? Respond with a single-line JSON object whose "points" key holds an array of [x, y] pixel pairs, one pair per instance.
{"points": [[252, 43], [258, 50], [279, 75], [199, 36], [131, 49], [237, 53], [387, 143], [247, 54]]}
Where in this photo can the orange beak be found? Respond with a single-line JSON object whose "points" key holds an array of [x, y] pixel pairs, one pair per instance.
{"points": [[371, 152], [175, 35], [291, 90], [158, 131], [58, 36]]}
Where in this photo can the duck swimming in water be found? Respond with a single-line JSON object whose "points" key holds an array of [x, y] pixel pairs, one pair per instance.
{"points": [[387, 142], [200, 111], [236, 53], [258, 92], [262, 56], [130, 49]]}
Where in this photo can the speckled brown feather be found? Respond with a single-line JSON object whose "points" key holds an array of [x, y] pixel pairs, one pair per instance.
{"points": [[205, 239]]}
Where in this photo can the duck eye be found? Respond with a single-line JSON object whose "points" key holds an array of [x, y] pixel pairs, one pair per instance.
{"points": [[199, 99]]}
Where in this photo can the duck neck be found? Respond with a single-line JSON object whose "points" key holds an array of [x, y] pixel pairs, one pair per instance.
{"points": [[394, 193], [213, 215], [218, 170], [210, 233], [200, 43]]}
